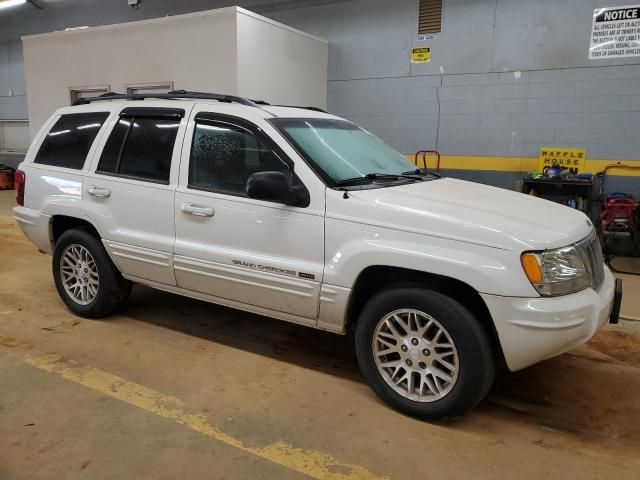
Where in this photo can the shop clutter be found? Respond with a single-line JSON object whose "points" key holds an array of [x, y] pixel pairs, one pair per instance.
{"points": [[562, 186], [6, 178]]}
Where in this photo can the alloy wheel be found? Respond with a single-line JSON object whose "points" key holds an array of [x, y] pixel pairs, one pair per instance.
{"points": [[415, 355], [79, 274]]}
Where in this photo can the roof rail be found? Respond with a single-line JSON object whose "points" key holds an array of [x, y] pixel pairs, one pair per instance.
{"points": [[173, 95], [181, 94], [315, 109]]}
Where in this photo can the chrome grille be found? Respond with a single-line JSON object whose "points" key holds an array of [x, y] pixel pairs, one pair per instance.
{"points": [[592, 252]]}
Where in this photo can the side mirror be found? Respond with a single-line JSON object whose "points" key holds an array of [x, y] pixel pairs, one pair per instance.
{"points": [[277, 187]]}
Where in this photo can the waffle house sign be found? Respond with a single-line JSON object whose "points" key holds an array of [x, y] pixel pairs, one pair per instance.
{"points": [[572, 159]]}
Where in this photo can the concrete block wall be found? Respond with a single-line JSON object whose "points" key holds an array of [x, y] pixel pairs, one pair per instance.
{"points": [[506, 77], [498, 115], [403, 111], [506, 114]]}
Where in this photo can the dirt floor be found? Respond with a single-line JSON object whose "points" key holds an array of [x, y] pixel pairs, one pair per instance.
{"points": [[177, 388]]}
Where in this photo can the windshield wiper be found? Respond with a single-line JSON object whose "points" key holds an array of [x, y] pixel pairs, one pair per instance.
{"points": [[422, 171], [376, 176]]}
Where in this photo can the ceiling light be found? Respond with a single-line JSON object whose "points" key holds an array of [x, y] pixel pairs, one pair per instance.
{"points": [[11, 3]]}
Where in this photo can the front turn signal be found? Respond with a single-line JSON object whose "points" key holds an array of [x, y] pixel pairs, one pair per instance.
{"points": [[531, 268]]}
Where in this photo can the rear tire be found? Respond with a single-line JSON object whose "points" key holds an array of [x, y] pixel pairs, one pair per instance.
{"points": [[424, 353], [87, 281]]}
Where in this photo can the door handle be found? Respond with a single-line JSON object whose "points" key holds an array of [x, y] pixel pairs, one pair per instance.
{"points": [[102, 192], [197, 209]]}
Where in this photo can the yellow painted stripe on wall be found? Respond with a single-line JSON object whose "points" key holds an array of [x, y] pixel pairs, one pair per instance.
{"points": [[521, 164]]}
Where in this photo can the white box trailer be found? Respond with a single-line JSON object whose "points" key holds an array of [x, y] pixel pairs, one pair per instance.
{"points": [[228, 50]]}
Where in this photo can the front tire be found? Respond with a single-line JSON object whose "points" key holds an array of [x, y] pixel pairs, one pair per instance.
{"points": [[424, 353], [87, 281]]}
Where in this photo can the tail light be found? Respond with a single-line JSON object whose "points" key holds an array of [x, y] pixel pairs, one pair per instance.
{"points": [[19, 179]]}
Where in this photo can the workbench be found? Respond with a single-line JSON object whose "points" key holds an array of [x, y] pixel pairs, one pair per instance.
{"points": [[559, 190]]}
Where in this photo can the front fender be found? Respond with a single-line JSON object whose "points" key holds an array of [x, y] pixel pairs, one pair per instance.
{"points": [[352, 247]]}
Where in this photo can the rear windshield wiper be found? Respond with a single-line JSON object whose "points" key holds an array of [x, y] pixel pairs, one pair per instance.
{"points": [[376, 176]]}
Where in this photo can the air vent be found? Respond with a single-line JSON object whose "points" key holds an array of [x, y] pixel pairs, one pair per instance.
{"points": [[429, 16]]}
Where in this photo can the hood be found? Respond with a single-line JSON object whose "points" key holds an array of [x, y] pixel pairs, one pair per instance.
{"points": [[474, 213]]}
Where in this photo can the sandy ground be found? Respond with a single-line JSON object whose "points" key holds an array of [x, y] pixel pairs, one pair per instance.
{"points": [[258, 382]]}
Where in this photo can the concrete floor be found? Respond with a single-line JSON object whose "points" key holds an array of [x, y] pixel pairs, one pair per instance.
{"points": [[176, 388]]}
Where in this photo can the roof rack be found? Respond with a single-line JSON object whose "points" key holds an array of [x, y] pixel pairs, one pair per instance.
{"points": [[182, 94], [173, 95], [315, 109]]}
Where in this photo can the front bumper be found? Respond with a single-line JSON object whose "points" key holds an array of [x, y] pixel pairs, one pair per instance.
{"points": [[534, 329]]}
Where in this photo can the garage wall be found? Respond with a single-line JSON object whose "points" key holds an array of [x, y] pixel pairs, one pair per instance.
{"points": [[12, 84], [14, 129], [506, 76]]}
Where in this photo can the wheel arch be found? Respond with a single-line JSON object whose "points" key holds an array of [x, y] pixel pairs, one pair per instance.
{"points": [[61, 223], [377, 278]]}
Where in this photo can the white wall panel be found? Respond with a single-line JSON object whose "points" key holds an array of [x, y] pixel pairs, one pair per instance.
{"points": [[280, 65]]}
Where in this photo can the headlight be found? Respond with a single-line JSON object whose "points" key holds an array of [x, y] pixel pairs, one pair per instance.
{"points": [[556, 272]]}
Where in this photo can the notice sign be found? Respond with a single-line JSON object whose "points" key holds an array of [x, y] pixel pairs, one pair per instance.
{"points": [[572, 159], [421, 55], [615, 32]]}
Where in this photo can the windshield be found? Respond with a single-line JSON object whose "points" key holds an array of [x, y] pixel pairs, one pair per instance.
{"points": [[342, 150]]}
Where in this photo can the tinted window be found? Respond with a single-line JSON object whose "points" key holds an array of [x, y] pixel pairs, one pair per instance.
{"points": [[146, 151], [69, 140], [224, 156], [111, 150]]}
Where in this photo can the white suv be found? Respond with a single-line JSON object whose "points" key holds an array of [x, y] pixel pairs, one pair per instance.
{"points": [[300, 215]]}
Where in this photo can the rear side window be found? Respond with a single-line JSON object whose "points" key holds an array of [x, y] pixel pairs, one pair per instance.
{"points": [[69, 140], [140, 147]]}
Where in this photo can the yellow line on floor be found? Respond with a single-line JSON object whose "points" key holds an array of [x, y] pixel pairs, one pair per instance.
{"points": [[307, 462]]}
